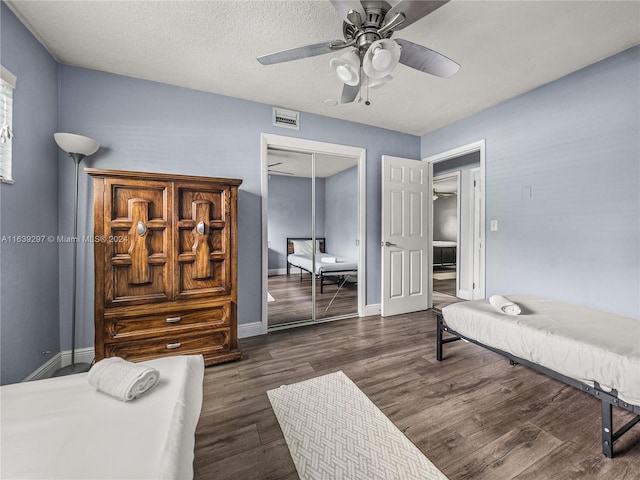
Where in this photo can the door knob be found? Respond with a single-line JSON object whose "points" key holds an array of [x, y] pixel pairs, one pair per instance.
{"points": [[389, 244]]}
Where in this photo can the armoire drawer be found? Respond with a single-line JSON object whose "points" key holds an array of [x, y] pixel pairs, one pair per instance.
{"points": [[123, 328], [205, 343]]}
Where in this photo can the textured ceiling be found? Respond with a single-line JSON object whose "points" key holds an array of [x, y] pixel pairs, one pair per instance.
{"points": [[505, 48]]}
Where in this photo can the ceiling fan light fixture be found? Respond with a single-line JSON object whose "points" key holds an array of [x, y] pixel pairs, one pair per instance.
{"points": [[381, 58], [347, 67], [378, 82]]}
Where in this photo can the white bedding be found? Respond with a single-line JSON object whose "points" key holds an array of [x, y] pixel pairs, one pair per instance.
{"points": [[444, 243], [61, 428], [578, 342], [324, 263]]}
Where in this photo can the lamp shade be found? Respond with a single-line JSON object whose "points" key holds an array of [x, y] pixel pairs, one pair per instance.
{"points": [[347, 68], [381, 58], [72, 143]]}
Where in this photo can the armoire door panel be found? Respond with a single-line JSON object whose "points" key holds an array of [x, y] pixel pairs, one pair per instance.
{"points": [[138, 219], [139, 250], [203, 241]]}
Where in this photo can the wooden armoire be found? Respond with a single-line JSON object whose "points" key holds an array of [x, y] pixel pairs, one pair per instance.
{"points": [[165, 251]]}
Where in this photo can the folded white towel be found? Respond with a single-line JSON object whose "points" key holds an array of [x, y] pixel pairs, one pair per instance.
{"points": [[329, 260], [121, 379], [504, 305]]}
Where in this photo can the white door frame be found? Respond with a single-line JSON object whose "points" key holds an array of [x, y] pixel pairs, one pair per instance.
{"points": [[478, 146], [475, 229], [268, 140], [455, 175]]}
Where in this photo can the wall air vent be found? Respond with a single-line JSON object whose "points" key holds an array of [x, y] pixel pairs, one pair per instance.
{"points": [[286, 118]]}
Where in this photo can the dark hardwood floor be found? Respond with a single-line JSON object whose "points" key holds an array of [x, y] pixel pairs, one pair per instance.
{"points": [[293, 299], [473, 415], [444, 280]]}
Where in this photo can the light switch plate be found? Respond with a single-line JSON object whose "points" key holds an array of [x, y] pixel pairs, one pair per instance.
{"points": [[494, 225]]}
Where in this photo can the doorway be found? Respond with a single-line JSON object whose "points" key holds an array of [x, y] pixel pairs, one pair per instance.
{"points": [[464, 166], [313, 223], [446, 237]]}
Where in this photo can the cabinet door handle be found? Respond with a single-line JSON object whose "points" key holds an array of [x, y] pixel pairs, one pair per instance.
{"points": [[171, 346], [142, 229], [173, 319]]}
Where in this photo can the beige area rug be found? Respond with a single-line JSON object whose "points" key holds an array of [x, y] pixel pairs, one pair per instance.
{"points": [[335, 432]]}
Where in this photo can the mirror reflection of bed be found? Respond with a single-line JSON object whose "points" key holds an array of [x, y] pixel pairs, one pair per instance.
{"points": [[291, 217]]}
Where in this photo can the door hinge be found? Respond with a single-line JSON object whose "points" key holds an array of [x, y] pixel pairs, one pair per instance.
{"points": [[474, 183], [474, 285]]}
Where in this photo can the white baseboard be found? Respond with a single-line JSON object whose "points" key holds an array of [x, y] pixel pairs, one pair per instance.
{"points": [[251, 329], [83, 355], [59, 360], [46, 369], [372, 309]]}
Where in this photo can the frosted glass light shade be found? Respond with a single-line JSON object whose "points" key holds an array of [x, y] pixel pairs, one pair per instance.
{"points": [[381, 58], [347, 68], [72, 143]]}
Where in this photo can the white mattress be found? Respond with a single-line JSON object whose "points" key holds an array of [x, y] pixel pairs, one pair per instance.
{"points": [[581, 343], [61, 428], [342, 264], [444, 243]]}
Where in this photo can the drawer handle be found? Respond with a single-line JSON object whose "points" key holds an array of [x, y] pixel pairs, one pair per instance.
{"points": [[173, 319], [171, 346]]}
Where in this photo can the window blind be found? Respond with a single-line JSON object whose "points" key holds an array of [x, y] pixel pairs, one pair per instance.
{"points": [[7, 84]]}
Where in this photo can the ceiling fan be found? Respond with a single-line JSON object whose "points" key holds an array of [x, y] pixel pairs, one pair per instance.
{"points": [[368, 27]]}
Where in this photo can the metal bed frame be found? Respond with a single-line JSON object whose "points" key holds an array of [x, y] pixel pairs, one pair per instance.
{"points": [[340, 275], [608, 399]]}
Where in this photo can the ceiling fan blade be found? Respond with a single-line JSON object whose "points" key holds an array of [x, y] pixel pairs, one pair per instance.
{"points": [[344, 6], [301, 52], [426, 60], [349, 93], [413, 11]]}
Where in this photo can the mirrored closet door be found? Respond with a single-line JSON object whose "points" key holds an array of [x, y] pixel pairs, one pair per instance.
{"points": [[312, 237]]}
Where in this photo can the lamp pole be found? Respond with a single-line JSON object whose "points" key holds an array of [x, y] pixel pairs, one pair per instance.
{"points": [[77, 158]]}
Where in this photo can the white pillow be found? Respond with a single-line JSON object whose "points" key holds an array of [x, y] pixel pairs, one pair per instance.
{"points": [[305, 247], [301, 247]]}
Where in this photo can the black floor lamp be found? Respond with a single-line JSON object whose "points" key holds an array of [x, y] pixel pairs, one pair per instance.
{"points": [[78, 147]]}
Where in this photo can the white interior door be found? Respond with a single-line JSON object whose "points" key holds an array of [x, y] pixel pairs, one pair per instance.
{"points": [[478, 290], [406, 243]]}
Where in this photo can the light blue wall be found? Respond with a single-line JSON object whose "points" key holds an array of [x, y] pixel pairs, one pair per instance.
{"points": [[576, 143], [289, 213], [29, 272], [341, 217], [149, 126]]}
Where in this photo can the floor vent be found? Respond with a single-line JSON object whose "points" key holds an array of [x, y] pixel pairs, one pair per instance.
{"points": [[286, 118]]}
